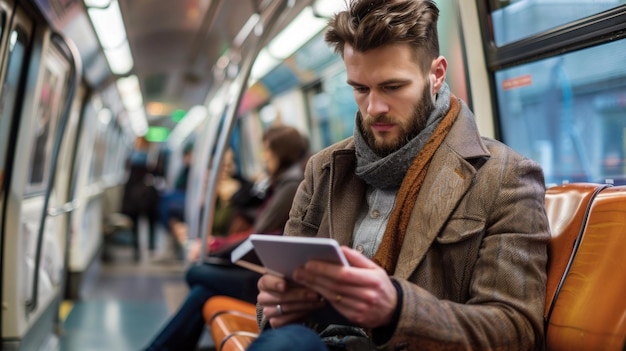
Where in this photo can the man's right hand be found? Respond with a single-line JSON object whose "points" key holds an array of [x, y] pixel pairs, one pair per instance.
{"points": [[285, 303]]}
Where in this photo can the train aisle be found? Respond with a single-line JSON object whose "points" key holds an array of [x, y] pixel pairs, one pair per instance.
{"points": [[125, 303]]}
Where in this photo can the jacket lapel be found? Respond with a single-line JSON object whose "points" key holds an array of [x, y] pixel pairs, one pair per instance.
{"points": [[347, 192], [449, 177], [440, 193]]}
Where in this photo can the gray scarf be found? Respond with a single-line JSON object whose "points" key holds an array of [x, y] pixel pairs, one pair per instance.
{"points": [[388, 172]]}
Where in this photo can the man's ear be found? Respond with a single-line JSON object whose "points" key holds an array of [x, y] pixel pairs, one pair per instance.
{"points": [[437, 73]]}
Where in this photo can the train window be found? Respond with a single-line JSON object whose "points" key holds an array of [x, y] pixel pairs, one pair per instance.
{"points": [[567, 113], [332, 111], [47, 113], [100, 145], [511, 18], [114, 150], [15, 64]]}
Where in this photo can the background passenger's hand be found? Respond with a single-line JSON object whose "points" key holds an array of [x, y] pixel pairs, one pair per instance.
{"points": [[193, 252], [363, 292], [296, 302], [195, 248]]}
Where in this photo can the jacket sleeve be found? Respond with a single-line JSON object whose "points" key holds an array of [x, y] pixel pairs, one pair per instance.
{"points": [[275, 213]]}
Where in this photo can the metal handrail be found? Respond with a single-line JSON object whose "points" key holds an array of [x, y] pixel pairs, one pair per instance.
{"points": [[273, 12], [210, 132]]}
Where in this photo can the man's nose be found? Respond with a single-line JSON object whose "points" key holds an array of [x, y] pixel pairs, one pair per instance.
{"points": [[376, 104]]}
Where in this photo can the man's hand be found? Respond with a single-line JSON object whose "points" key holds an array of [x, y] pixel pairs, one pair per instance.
{"points": [[284, 303], [363, 292]]}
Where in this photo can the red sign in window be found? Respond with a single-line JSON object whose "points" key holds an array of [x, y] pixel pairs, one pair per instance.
{"points": [[517, 82]]}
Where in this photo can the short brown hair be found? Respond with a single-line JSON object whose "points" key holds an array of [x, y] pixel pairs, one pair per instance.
{"points": [[369, 24], [287, 144]]}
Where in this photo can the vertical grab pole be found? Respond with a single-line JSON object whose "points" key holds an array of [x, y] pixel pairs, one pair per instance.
{"points": [[235, 95], [199, 172]]}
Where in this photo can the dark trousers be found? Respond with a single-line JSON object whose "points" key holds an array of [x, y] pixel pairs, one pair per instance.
{"points": [[287, 338], [151, 233], [184, 329]]}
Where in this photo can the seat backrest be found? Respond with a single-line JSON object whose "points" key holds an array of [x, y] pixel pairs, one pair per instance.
{"points": [[589, 312], [567, 208]]}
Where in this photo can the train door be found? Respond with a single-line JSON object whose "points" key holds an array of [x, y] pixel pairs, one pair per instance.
{"points": [[32, 248]]}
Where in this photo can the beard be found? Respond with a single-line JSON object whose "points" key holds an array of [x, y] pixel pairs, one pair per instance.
{"points": [[409, 130]]}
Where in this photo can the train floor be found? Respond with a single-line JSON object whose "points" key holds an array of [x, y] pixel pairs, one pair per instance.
{"points": [[124, 303]]}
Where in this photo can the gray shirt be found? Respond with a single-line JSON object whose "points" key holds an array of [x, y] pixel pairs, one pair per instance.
{"points": [[372, 222]]}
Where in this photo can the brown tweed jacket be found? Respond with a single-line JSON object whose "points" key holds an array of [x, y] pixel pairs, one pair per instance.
{"points": [[472, 265]]}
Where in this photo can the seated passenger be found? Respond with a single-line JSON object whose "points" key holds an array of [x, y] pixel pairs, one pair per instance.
{"points": [[234, 198], [284, 149], [445, 232], [172, 202]]}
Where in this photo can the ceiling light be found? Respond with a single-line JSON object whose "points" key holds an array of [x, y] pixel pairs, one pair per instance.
{"points": [[109, 26], [296, 34], [328, 8], [263, 64], [120, 59], [97, 3], [128, 84], [132, 100], [130, 92]]}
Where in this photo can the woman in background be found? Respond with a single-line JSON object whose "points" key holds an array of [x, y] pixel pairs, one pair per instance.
{"points": [[233, 195], [284, 150]]}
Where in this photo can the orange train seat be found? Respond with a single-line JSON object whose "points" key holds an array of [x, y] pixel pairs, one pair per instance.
{"points": [[232, 322], [589, 312], [567, 208]]}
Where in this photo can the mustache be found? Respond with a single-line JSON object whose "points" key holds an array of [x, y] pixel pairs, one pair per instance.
{"points": [[370, 120]]}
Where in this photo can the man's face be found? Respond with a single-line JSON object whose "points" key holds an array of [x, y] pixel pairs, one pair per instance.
{"points": [[392, 93]]}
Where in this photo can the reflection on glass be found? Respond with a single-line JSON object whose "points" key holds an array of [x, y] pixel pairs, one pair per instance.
{"points": [[9, 92], [43, 140], [519, 19], [47, 113], [568, 113]]}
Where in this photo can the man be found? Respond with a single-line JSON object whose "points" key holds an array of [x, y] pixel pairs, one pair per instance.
{"points": [[448, 230]]}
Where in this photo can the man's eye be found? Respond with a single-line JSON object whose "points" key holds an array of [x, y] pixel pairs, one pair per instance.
{"points": [[360, 90], [392, 87]]}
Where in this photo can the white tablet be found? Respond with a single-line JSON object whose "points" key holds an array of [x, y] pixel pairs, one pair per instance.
{"points": [[281, 255]]}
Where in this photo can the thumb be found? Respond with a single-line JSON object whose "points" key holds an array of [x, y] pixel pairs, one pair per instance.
{"points": [[357, 259]]}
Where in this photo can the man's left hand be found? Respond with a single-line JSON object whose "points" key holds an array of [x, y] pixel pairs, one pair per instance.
{"points": [[362, 292]]}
